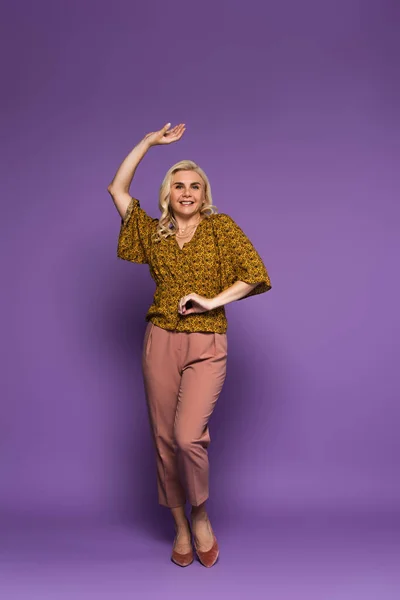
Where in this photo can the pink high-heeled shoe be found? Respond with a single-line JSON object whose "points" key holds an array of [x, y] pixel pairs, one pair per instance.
{"points": [[182, 560], [209, 557]]}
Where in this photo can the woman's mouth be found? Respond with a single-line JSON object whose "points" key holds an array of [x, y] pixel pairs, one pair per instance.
{"points": [[186, 202]]}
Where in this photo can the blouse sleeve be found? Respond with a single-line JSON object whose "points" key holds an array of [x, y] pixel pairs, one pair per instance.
{"points": [[135, 234], [241, 260]]}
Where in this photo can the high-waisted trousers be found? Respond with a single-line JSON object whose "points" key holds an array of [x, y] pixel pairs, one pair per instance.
{"points": [[183, 375]]}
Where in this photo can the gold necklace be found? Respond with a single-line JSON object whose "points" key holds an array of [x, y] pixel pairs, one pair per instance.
{"points": [[189, 227], [182, 237]]}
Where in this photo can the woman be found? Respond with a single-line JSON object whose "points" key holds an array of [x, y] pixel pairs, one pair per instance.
{"points": [[200, 261]]}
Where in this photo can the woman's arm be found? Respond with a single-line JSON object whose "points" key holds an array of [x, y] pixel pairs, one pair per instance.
{"points": [[201, 304], [235, 292], [119, 186]]}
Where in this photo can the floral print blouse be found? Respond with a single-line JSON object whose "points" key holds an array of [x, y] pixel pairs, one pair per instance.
{"points": [[218, 254]]}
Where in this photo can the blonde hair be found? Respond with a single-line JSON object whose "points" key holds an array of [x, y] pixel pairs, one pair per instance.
{"points": [[167, 224]]}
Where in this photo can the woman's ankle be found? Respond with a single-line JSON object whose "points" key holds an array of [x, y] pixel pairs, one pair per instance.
{"points": [[199, 512], [179, 517]]}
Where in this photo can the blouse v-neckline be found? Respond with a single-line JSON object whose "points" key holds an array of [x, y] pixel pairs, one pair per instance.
{"points": [[192, 238]]}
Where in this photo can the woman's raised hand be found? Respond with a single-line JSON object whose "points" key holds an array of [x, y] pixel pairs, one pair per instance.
{"points": [[165, 135]]}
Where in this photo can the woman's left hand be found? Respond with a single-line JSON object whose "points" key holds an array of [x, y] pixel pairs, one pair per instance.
{"points": [[200, 304]]}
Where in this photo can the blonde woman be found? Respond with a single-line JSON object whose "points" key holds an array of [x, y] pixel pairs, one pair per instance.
{"points": [[200, 261]]}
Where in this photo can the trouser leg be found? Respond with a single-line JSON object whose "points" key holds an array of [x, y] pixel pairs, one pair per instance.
{"points": [[162, 378], [204, 357]]}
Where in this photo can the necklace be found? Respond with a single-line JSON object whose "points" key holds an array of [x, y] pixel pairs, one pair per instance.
{"points": [[184, 236], [189, 227]]}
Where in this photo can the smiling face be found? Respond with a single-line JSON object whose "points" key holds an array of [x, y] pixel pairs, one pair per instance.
{"points": [[187, 193]]}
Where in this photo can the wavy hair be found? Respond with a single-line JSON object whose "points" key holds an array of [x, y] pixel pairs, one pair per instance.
{"points": [[167, 224]]}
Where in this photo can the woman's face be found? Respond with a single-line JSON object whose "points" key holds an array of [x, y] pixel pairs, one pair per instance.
{"points": [[187, 193]]}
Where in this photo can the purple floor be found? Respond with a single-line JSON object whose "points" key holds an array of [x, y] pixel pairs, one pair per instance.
{"points": [[281, 556]]}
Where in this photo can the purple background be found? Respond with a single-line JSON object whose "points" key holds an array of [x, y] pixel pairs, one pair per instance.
{"points": [[292, 109]]}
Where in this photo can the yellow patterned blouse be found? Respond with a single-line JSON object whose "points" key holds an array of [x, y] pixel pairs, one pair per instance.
{"points": [[217, 255]]}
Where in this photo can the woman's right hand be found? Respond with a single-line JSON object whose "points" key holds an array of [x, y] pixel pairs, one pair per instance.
{"points": [[165, 135]]}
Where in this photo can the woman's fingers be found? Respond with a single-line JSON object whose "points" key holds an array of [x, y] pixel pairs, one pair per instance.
{"points": [[174, 134], [174, 131], [166, 135], [176, 128]]}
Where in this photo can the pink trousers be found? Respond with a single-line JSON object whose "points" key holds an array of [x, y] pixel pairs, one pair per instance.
{"points": [[183, 375]]}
